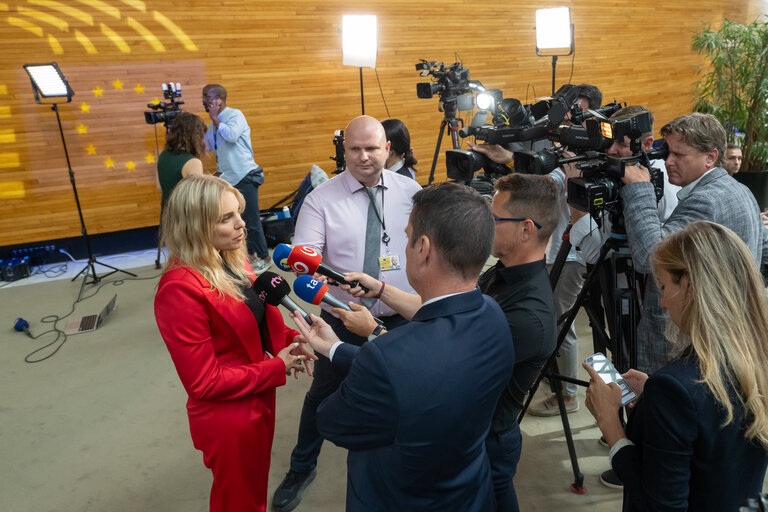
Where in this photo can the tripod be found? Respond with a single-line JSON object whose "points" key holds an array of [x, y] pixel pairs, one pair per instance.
{"points": [[453, 124], [623, 312], [89, 270]]}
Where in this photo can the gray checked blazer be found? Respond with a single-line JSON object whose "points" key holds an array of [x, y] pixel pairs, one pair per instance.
{"points": [[717, 197]]}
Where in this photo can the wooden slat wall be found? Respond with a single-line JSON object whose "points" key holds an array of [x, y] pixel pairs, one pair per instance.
{"points": [[281, 63]]}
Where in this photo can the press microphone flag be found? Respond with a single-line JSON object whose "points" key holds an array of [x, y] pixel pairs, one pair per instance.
{"points": [[306, 261], [274, 290], [315, 292]]}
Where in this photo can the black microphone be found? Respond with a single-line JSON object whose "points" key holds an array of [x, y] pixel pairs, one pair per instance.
{"points": [[273, 289]]}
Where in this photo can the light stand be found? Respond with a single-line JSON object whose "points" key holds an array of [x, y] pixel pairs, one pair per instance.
{"points": [[48, 82], [554, 31], [359, 45]]}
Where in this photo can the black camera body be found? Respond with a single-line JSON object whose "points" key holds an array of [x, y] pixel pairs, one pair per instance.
{"points": [[165, 112], [338, 143]]}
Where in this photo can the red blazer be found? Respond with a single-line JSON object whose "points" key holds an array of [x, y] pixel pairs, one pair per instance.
{"points": [[214, 340]]}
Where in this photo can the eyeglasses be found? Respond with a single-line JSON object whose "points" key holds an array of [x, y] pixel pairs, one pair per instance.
{"points": [[501, 219]]}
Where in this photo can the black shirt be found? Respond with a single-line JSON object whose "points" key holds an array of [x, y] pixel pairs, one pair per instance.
{"points": [[525, 297]]}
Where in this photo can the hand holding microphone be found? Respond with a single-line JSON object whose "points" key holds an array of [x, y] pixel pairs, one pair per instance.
{"points": [[305, 260], [313, 291]]}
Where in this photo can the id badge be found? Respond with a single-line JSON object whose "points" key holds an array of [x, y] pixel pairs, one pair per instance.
{"points": [[389, 262]]}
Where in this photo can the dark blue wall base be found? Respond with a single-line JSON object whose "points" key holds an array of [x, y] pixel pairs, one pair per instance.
{"points": [[103, 244]]}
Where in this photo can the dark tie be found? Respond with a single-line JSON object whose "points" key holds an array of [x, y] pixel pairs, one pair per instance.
{"points": [[372, 242]]}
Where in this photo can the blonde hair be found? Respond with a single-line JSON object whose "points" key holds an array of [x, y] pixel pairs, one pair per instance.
{"points": [[724, 317], [189, 217]]}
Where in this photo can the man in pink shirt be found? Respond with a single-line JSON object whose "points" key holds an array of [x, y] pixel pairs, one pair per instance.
{"points": [[333, 220]]}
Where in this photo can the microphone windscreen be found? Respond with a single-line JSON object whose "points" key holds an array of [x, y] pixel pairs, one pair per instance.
{"points": [[20, 324], [309, 290], [271, 288], [280, 256], [304, 260]]}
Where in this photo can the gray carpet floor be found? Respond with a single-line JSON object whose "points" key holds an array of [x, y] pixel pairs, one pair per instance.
{"points": [[101, 425]]}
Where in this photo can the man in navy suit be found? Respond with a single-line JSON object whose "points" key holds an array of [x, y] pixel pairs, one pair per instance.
{"points": [[416, 405]]}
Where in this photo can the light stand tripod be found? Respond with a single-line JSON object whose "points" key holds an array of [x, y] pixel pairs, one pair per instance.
{"points": [[48, 82], [622, 312], [89, 270], [451, 123]]}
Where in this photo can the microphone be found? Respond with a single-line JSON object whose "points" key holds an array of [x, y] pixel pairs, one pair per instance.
{"points": [[280, 256], [22, 325], [315, 292], [305, 260], [272, 289]]}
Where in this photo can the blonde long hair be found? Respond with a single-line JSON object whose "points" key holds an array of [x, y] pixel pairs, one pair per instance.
{"points": [[189, 217], [724, 317]]}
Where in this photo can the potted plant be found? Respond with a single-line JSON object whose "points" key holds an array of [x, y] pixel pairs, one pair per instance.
{"points": [[735, 87]]}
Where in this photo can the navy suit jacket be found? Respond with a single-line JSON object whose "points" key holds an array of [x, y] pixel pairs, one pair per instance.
{"points": [[683, 459], [415, 408]]}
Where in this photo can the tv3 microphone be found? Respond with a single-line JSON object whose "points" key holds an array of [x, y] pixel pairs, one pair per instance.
{"points": [[305, 260], [274, 290]]}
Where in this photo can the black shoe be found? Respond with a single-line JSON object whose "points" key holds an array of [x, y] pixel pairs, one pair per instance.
{"points": [[288, 494], [611, 480]]}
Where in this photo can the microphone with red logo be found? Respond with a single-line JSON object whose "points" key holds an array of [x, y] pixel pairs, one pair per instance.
{"points": [[315, 292], [273, 289], [305, 260]]}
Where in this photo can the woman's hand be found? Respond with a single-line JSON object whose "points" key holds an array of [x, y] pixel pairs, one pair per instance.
{"points": [[603, 401], [636, 381], [295, 361]]}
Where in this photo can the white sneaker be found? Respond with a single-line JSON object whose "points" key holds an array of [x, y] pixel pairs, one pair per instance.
{"points": [[260, 266]]}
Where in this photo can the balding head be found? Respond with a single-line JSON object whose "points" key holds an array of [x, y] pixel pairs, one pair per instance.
{"points": [[366, 149]]}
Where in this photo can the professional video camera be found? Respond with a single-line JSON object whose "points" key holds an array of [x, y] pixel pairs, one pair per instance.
{"points": [[512, 122], [452, 83], [597, 189], [578, 116], [163, 112]]}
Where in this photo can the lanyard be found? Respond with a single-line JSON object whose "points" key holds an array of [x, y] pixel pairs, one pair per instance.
{"points": [[372, 197]]}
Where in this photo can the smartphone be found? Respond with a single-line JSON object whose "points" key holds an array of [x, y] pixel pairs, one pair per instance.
{"points": [[608, 373]]}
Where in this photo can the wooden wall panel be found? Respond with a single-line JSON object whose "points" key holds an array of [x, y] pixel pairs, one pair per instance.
{"points": [[281, 63]]}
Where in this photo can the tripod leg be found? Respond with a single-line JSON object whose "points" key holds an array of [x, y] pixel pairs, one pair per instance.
{"points": [[577, 486], [443, 124]]}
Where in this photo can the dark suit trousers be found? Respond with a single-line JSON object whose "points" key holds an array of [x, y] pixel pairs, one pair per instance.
{"points": [[256, 242], [504, 452], [327, 379]]}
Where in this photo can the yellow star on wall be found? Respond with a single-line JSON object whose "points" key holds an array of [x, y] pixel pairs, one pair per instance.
{"points": [[109, 162], [131, 166], [82, 129], [84, 107], [98, 91], [118, 84], [139, 88], [149, 158], [91, 149]]}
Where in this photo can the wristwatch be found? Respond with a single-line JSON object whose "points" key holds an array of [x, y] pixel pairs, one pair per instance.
{"points": [[376, 332]]}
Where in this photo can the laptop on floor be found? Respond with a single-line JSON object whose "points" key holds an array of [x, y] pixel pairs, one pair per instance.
{"points": [[87, 323]]}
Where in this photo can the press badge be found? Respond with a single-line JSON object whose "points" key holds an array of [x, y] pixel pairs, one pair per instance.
{"points": [[389, 263]]}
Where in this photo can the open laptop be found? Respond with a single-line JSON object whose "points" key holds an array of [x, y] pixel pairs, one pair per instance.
{"points": [[87, 323]]}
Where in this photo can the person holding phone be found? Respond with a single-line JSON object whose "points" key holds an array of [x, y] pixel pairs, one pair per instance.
{"points": [[697, 437]]}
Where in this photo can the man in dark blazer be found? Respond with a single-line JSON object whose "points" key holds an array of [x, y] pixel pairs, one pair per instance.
{"points": [[696, 146], [416, 405]]}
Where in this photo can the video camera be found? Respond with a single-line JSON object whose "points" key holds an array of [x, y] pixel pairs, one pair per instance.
{"points": [[513, 122], [452, 83], [338, 143], [163, 112]]}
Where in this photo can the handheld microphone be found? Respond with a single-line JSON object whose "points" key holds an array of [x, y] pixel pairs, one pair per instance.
{"points": [[272, 289], [305, 260], [22, 325], [315, 292], [280, 256]]}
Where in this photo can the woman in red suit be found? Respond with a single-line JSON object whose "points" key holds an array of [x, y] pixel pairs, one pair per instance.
{"points": [[220, 335]]}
